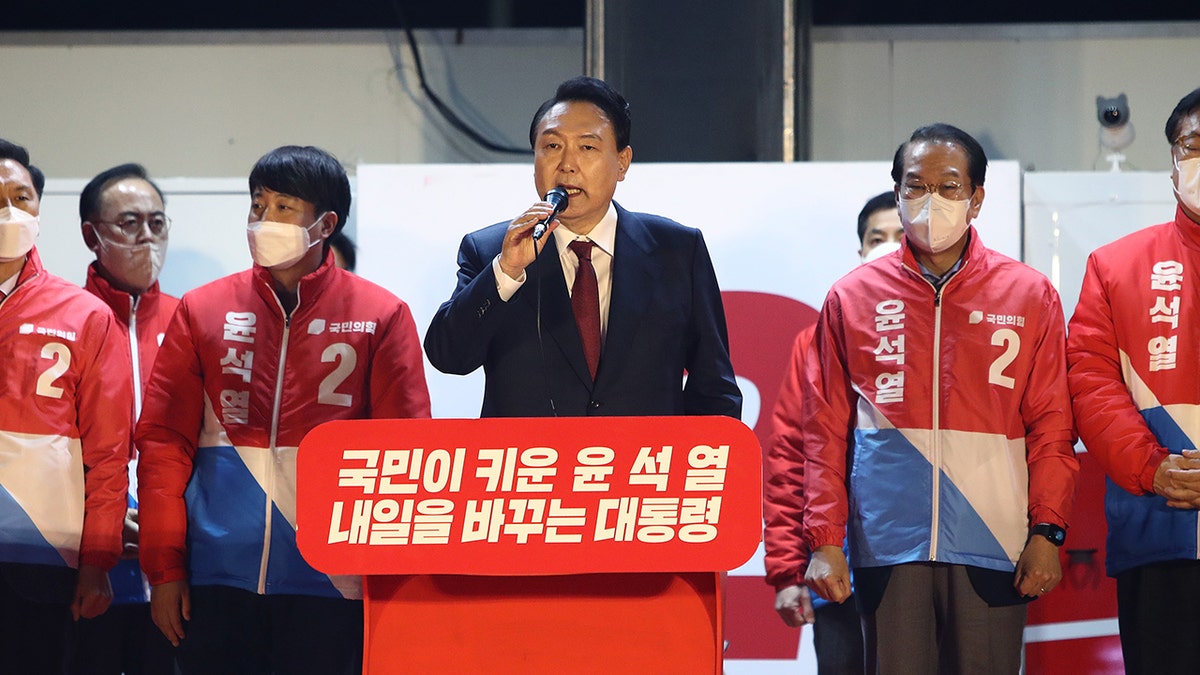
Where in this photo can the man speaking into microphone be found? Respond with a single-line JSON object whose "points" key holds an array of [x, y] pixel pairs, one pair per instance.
{"points": [[604, 312]]}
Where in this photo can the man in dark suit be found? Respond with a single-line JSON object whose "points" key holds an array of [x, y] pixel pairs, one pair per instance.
{"points": [[660, 313]]}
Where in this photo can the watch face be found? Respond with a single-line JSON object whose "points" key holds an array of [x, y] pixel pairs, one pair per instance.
{"points": [[1055, 534]]}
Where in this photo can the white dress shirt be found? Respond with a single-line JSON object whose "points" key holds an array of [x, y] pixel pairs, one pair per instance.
{"points": [[603, 235]]}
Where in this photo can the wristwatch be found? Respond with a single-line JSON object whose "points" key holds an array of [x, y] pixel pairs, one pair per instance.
{"points": [[1054, 533]]}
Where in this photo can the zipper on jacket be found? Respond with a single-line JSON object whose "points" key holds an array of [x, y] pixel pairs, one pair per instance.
{"points": [[273, 458], [936, 451], [135, 357]]}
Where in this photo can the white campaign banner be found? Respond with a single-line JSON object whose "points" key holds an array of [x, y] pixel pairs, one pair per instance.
{"points": [[779, 235]]}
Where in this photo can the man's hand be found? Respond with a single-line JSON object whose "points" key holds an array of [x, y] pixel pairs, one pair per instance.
{"points": [[1178, 479], [129, 535], [794, 605], [93, 593], [828, 574], [1038, 570], [170, 607], [516, 253]]}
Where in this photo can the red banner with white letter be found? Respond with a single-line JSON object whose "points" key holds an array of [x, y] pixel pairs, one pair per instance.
{"points": [[516, 496]]}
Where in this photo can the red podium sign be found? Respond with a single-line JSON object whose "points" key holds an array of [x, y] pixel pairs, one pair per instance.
{"points": [[516, 496]]}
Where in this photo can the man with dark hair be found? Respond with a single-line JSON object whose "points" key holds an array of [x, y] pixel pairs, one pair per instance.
{"points": [[837, 634], [607, 312], [937, 403], [1132, 355], [65, 417], [122, 218], [250, 364]]}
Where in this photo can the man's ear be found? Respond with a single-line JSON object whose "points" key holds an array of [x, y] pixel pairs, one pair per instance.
{"points": [[90, 238], [329, 223]]}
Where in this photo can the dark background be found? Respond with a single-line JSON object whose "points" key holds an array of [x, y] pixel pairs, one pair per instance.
{"points": [[382, 14]]}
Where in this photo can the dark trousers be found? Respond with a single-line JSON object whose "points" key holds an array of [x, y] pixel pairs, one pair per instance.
{"points": [[237, 632], [838, 639], [1158, 610], [122, 640], [33, 634]]}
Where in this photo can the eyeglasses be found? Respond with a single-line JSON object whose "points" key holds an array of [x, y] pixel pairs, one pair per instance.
{"points": [[949, 190], [1189, 146], [131, 225]]}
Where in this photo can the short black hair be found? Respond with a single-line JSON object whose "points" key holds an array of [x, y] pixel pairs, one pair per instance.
{"points": [[89, 199], [880, 202], [1186, 106], [591, 90], [18, 153], [941, 132], [345, 246], [308, 173]]}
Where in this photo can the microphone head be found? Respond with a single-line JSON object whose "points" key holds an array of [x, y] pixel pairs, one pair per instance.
{"points": [[557, 197]]}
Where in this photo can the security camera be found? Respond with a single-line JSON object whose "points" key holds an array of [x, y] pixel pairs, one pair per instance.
{"points": [[1112, 112], [1116, 133]]}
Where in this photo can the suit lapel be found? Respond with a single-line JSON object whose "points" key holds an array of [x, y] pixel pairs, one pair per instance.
{"points": [[558, 319], [634, 278]]}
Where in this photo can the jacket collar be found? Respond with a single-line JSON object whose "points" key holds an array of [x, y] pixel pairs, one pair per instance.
{"points": [[310, 288], [120, 301], [1189, 230], [33, 267]]}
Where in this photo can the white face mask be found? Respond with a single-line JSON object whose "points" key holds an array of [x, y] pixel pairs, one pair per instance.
{"points": [[880, 250], [280, 245], [138, 265], [18, 230], [1187, 183], [934, 222]]}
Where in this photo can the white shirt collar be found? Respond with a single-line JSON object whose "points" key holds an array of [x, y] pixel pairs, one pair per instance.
{"points": [[604, 234], [10, 283]]}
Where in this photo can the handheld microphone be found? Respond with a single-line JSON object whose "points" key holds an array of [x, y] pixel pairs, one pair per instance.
{"points": [[558, 199]]}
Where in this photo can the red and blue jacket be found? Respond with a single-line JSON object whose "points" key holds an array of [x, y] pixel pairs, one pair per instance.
{"points": [[236, 386], [1135, 386], [65, 424], [938, 421]]}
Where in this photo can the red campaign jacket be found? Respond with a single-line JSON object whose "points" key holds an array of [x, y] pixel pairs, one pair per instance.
{"points": [[1133, 372], [938, 425], [147, 315], [235, 388], [783, 483], [143, 322], [65, 401]]}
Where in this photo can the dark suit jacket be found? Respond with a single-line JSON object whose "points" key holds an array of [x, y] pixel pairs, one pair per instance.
{"points": [[665, 318]]}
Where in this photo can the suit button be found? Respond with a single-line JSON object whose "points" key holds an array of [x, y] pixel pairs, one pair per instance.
{"points": [[594, 405]]}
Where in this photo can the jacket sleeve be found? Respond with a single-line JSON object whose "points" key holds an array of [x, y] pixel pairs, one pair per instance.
{"points": [[783, 483], [167, 434], [711, 387], [828, 412], [397, 379], [1109, 422], [460, 332], [1050, 430], [105, 413]]}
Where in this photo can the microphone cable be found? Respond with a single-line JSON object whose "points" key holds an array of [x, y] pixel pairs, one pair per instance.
{"points": [[541, 344]]}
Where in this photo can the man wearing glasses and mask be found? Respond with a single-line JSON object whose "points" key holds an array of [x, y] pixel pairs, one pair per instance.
{"points": [[1132, 357], [123, 222], [937, 427]]}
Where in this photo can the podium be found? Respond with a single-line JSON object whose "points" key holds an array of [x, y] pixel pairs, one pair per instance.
{"points": [[547, 545]]}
